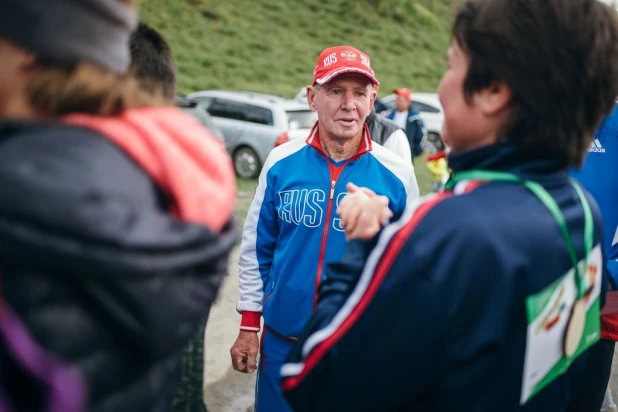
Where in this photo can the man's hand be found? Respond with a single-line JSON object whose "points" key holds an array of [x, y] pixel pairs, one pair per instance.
{"points": [[363, 213], [244, 352]]}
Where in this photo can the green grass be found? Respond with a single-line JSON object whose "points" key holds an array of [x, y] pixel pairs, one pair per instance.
{"points": [[246, 189], [271, 46], [423, 177]]}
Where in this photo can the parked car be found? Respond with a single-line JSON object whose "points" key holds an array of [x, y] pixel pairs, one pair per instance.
{"points": [[300, 119], [301, 96], [429, 108], [198, 111], [252, 124]]}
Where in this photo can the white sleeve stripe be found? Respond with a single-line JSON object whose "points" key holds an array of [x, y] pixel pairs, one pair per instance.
{"points": [[291, 369], [251, 287], [363, 283], [249, 329], [250, 280]]}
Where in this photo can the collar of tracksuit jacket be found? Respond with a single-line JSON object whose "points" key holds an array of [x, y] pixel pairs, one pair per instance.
{"points": [[250, 321], [506, 157]]}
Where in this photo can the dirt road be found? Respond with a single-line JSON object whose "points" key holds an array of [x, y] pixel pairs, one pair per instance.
{"points": [[225, 389]]}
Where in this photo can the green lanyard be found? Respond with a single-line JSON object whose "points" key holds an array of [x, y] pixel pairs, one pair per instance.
{"points": [[550, 203]]}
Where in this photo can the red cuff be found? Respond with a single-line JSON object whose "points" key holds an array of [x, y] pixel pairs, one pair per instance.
{"points": [[609, 327], [250, 321]]}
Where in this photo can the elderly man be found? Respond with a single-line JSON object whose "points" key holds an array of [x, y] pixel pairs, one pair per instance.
{"points": [[292, 231]]}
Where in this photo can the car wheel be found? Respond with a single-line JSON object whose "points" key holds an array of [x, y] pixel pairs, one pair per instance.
{"points": [[433, 144], [246, 162]]}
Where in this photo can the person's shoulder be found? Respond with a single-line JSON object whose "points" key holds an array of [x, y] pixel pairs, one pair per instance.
{"points": [[393, 164], [73, 145], [52, 157], [472, 214], [413, 114], [465, 212], [389, 159], [445, 223], [64, 165]]}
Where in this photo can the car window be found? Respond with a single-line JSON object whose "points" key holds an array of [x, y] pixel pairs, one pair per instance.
{"points": [[259, 115], [422, 107], [210, 125], [204, 100], [305, 119], [200, 114], [227, 109]]}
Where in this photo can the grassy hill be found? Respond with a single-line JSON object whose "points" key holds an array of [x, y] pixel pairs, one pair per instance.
{"points": [[271, 45]]}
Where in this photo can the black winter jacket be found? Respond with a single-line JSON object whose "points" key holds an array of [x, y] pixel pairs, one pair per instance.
{"points": [[99, 271]]}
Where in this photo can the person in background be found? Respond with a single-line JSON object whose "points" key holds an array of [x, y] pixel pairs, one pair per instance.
{"points": [[388, 134], [409, 120], [153, 65], [599, 175], [486, 296], [292, 232], [379, 107], [113, 242], [438, 167], [152, 62]]}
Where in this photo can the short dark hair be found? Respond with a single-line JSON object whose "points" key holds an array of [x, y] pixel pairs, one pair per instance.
{"points": [[152, 62], [560, 59]]}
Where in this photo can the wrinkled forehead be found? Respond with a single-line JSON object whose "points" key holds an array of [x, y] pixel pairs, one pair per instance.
{"points": [[351, 80]]}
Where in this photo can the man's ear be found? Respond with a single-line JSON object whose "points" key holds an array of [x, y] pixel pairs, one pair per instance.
{"points": [[373, 94], [311, 91], [21, 59], [494, 98], [28, 60]]}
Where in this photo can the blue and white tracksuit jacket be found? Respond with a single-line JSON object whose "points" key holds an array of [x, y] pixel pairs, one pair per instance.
{"points": [[292, 232], [599, 175]]}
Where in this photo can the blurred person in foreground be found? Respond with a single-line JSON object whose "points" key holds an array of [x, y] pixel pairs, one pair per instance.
{"points": [[292, 232], [487, 296], [111, 252], [153, 65]]}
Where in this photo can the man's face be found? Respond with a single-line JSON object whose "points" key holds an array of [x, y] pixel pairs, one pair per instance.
{"points": [[402, 104], [342, 105], [463, 121]]}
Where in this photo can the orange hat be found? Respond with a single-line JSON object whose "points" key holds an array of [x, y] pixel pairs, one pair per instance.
{"points": [[403, 92], [342, 59]]}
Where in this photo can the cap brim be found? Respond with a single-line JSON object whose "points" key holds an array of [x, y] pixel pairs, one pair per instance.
{"points": [[331, 75]]}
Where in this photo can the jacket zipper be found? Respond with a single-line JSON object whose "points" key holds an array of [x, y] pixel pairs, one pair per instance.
{"points": [[334, 175]]}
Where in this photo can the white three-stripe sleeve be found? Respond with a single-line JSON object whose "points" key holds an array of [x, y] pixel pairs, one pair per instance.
{"points": [[251, 284], [259, 237]]}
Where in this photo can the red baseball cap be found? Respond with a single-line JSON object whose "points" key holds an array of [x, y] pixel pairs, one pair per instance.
{"points": [[403, 92], [342, 59]]}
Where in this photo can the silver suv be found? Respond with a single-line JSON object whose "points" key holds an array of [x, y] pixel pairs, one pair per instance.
{"points": [[252, 124]]}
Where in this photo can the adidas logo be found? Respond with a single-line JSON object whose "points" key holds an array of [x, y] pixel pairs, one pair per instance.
{"points": [[596, 147]]}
